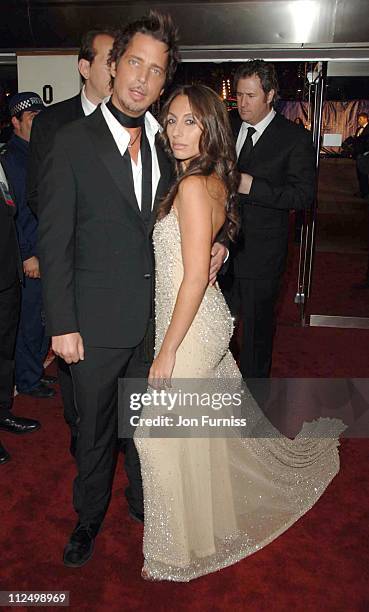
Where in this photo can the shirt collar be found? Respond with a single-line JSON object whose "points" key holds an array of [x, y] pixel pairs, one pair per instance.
{"points": [[87, 106], [121, 136], [263, 124]]}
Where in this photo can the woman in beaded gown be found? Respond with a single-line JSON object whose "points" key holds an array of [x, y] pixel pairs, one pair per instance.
{"points": [[211, 501]]}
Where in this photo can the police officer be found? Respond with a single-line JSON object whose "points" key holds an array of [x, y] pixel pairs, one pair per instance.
{"points": [[32, 344], [10, 279]]}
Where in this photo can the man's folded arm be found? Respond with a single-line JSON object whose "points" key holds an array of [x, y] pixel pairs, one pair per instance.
{"points": [[297, 191]]}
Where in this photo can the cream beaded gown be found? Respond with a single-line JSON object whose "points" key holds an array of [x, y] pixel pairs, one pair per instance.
{"points": [[209, 502]]}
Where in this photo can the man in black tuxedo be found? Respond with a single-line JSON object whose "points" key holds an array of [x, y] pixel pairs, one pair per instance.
{"points": [[92, 64], [98, 195], [360, 146], [276, 161]]}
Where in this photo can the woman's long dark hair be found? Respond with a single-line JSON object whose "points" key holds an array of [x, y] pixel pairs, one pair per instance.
{"points": [[217, 153]]}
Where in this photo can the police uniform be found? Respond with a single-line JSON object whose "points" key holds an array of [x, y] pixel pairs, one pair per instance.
{"points": [[10, 280], [32, 343]]}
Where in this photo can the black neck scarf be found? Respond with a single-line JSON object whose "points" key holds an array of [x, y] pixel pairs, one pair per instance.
{"points": [[125, 120], [146, 158]]}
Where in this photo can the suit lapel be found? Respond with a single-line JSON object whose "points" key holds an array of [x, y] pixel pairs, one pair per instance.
{"points": [[267, 140], [166, 174], [118, 167], [122, 176]]}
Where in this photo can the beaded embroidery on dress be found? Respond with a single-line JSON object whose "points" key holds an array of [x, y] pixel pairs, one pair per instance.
{"points": [[210, 502]]}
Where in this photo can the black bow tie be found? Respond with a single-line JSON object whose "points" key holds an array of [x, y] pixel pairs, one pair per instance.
{"points": [[125, 120]]}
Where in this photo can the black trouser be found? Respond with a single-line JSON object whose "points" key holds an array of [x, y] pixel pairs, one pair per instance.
{"points": [[66, 388], [9, 317], [32, 344], [299, 222], [95, 383], [258, 300]]}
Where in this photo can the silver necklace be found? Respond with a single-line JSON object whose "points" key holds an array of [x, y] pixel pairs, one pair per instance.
{"points": [[132, 142]]}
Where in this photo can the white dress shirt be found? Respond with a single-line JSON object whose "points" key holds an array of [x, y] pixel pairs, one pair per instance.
{"points": [[122, 138], [259, 127], [88, 107], [360, 130]]}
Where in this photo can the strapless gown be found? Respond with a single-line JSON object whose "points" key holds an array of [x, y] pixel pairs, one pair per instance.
{"points": [[210, 502]]}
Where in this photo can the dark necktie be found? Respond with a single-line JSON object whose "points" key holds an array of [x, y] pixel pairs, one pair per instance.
{"points": [[146, 160], [245, 152]]}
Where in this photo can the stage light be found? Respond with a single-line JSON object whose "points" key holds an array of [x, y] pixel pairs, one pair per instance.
{"points": [[304, 14]]}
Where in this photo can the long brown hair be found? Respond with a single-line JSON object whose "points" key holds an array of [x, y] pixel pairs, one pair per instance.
{"points": [[217, 154]]}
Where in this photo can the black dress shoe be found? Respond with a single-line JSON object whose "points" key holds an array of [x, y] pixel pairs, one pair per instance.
{"points": [[42, 392], [136, 516], [18, 425], [4, 455], [81, 545], [48, 380]]}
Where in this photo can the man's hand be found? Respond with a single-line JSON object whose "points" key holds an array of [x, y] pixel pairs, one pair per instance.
{"points": [[219, 254], [69, 347], [31, 267], [245, 183]]}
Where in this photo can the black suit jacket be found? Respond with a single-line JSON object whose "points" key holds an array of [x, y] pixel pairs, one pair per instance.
{"points": [[44, 127], [282, 164], [95, 250], [361, 143], [10, 261]]}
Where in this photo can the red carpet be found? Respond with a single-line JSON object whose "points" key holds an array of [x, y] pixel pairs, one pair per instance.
{"points": [[320, 563], [332, 291]]}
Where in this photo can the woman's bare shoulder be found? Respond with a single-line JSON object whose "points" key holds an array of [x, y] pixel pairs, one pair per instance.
{"points": [[208, 187], [216, 187]]}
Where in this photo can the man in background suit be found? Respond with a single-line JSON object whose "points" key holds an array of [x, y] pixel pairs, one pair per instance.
{"points": [[92, 64], [276, 161], [363, 167], [360, 146], [100, 187]]}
